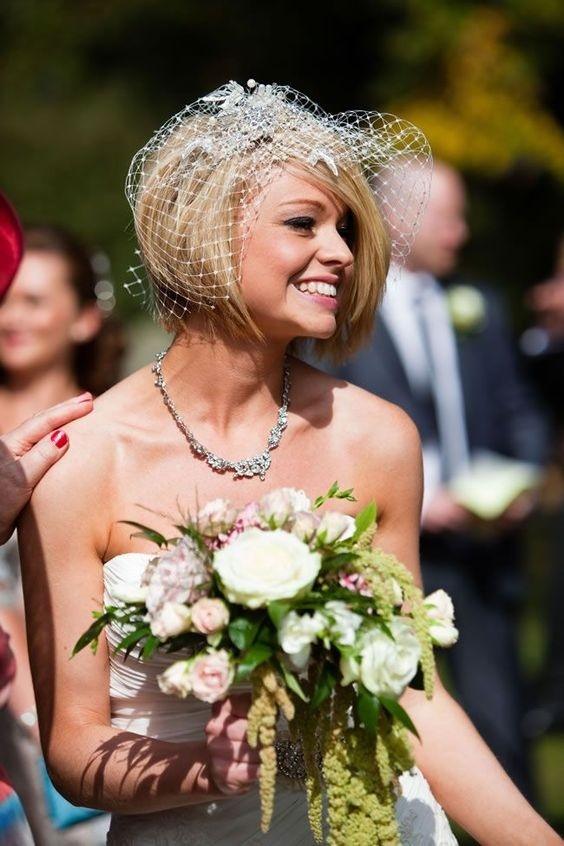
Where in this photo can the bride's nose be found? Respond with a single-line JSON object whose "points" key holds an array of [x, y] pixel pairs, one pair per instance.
{"points": [[333, 249]]}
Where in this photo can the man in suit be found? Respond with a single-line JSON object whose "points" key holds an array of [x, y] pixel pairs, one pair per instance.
{"points": [[464, 392]]}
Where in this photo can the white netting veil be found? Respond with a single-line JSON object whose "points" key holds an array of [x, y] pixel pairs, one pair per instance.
{"points": [[195, 187]]}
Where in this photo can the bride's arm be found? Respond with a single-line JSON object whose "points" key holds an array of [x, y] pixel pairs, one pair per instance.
{"points": [[464, 775], [63, 535]]}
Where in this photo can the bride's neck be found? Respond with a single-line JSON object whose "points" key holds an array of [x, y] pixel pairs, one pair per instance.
{"points": [[223, 380]]}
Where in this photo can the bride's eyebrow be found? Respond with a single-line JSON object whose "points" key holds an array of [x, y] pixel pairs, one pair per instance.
{"points": [[311, 203]]}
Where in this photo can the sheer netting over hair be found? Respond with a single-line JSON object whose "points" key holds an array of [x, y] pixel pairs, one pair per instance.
{"points": [[195, 188]]}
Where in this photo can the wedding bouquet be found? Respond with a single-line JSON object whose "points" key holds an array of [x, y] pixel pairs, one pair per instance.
{"points": [[327, 629]]}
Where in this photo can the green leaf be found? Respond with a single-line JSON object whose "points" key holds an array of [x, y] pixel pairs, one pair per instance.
{"points": [[277, 611], [292, 682], [129, 641], [393, 707], [325, 684], [337, 562], [334, 492], [252, 658], [368, 710], [365, 519], [146, 532], [148, 649], [93, 632], [243, 631]]}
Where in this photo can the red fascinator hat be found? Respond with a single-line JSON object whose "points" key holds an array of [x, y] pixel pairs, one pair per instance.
{"points": [[11, 244]]}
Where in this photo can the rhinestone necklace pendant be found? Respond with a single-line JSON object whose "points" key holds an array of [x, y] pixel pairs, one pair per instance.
{"points": [[256, 465]]}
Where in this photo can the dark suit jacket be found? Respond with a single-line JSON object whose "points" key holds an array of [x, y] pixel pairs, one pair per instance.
{"points": [[501, 412]]}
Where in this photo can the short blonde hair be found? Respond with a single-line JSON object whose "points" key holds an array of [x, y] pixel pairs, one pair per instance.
{"points": [[183, 197]]}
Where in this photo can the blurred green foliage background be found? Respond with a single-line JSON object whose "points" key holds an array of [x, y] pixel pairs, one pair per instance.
{"points": [[83, 83]]}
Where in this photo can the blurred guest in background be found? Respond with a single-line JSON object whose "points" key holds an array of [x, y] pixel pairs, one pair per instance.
{"points": [[543, 343], [55, 343], [442, 351]]}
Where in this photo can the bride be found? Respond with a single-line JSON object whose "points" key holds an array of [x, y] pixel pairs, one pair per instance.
{"points": [[261, 220]]}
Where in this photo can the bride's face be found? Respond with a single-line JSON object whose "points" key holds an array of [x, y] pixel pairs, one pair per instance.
{"points": [[297, 259]]}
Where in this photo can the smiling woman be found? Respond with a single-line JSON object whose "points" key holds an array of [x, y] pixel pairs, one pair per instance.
{"points": [[253, 208]]}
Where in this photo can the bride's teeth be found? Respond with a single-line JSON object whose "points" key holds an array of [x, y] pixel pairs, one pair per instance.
{"points": [[323, 288]]}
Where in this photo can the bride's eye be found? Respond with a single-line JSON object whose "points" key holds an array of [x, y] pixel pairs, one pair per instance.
{"points": [[305, 224], [346, 231]]}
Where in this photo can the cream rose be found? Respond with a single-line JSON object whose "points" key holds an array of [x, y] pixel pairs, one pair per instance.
{"points": [[279, 506], [209, 615], [170, 620], [334, 526], [384, 666], [259, 567], [211, 675], [305, 525], [440, 612], [176, 679], [217, 517]]}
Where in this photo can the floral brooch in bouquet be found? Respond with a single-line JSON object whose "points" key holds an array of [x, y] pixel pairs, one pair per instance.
{"points": [[327, 629]]}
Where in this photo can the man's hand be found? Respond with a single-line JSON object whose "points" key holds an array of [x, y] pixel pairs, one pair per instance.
{"points": [[444, 514], [27, 452]]}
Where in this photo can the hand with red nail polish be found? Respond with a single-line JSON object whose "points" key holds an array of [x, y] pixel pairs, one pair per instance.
{"points": [[27, 452]]}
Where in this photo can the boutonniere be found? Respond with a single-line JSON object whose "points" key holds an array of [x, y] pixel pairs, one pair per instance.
{"points": [[467, 309]]}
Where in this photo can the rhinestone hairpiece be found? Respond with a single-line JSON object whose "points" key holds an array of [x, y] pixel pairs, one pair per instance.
{"points": [[247, 134]]}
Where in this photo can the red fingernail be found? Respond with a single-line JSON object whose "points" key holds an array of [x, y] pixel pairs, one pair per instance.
{"points": [[59, 438], [83, 397]]}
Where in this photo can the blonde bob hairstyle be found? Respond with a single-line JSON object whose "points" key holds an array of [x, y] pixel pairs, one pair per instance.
{"points": [[182, 201]]}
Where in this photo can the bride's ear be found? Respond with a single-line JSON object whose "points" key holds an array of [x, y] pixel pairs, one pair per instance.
{"points": [[87, 324]]}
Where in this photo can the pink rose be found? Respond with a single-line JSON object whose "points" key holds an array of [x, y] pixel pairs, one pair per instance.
{"points": [[211, 676], [209, 615]]}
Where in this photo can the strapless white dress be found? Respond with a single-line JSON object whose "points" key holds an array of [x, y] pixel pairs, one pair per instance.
{"points": [[137, 705]]}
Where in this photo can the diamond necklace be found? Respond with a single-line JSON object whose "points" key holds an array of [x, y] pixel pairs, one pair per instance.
{"points": [[257, 465]]}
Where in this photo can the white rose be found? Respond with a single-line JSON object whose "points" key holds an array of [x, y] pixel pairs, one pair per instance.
{"points": [[176, 679], [299, 631], [279, 506], [171, 619], [343, 623], [259, 567], [209, 615], [440, 611], [217, 517], [305, 525], [334, 525], [384, 666]]}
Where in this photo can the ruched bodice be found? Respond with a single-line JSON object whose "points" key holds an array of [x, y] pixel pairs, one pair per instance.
{"points": [[137, 705]]}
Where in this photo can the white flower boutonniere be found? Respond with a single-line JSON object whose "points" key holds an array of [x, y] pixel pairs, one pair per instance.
{"points": [[467, 309]]}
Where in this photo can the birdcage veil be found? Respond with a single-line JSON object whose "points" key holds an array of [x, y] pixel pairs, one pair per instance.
{"points": [[196, 186]]}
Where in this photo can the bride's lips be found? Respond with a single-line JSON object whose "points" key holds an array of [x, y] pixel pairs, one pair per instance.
{"points": [[331, 303]]}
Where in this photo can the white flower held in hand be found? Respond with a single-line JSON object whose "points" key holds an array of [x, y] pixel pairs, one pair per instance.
{"points": [[384, 666], [259, 567], [170, 619], [335, 526], [281, 505], [298, 631], [343, 623], [440, 611], [217, 517], [209, 615], [176, 679]]}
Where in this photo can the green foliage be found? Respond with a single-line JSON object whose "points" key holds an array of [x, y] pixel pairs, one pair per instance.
{"points": [[334, 492]]}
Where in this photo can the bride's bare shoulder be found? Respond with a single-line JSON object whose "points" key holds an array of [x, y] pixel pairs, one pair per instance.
{"points": [[362, 423]]}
